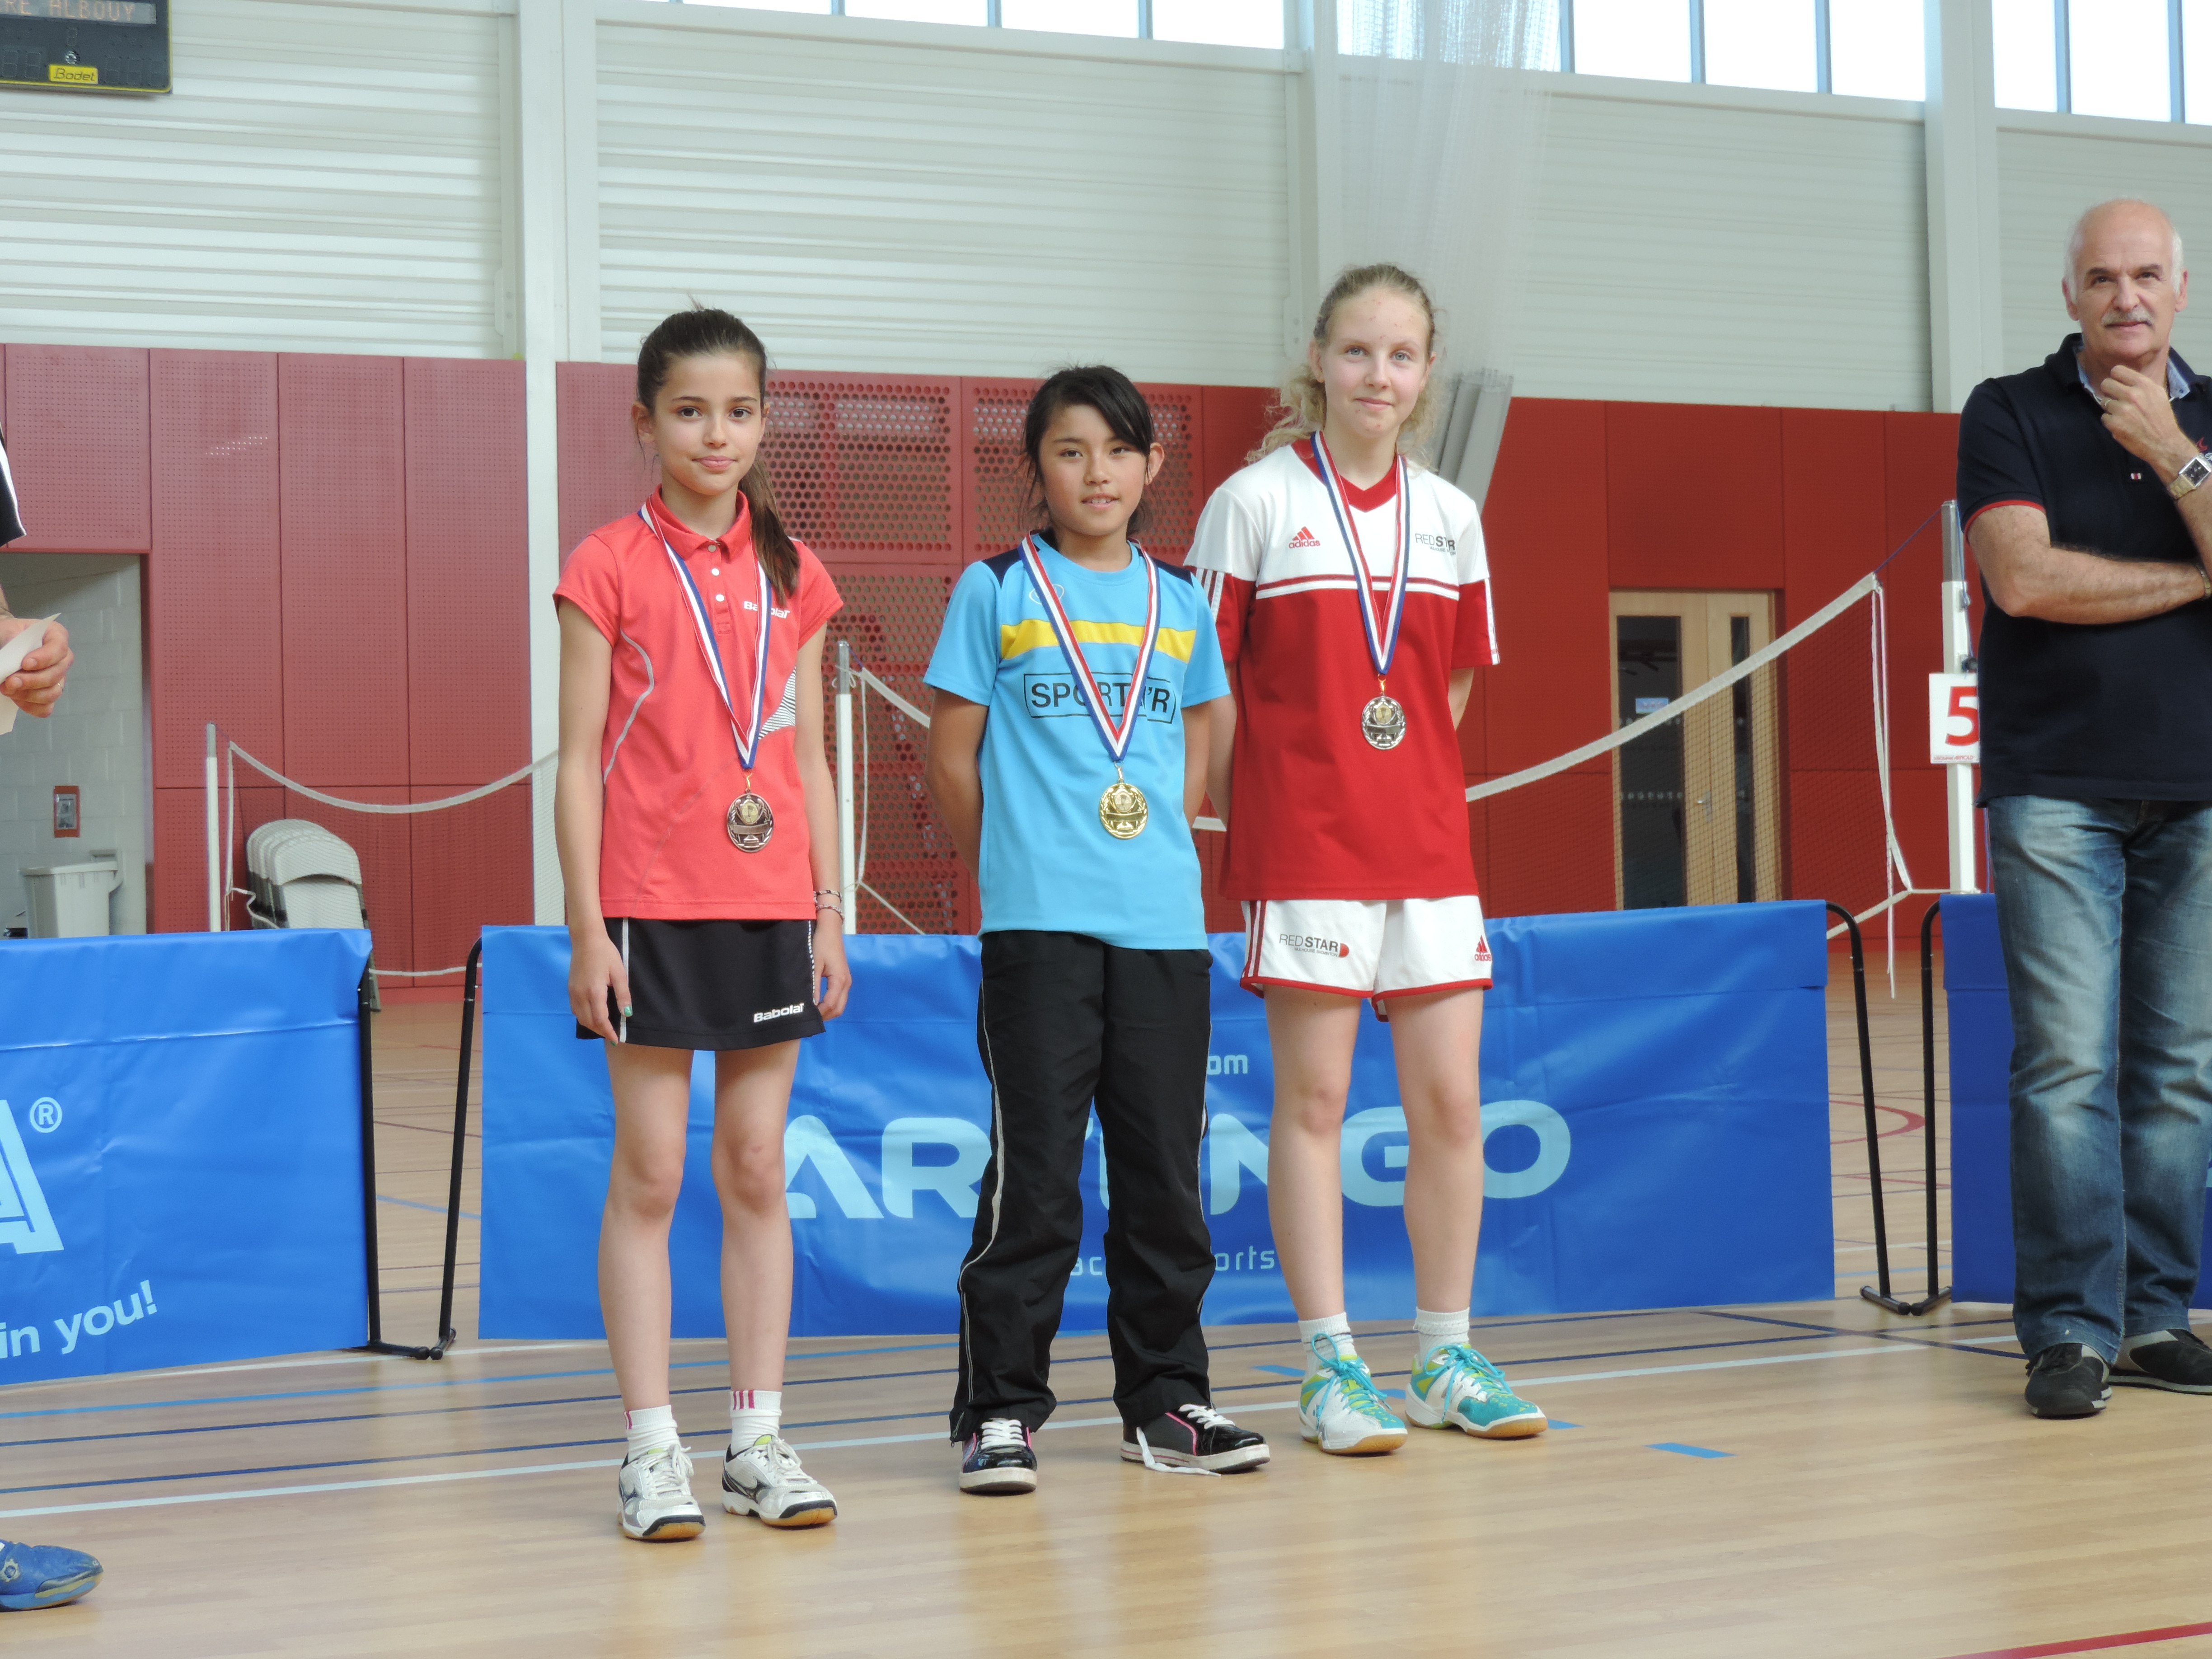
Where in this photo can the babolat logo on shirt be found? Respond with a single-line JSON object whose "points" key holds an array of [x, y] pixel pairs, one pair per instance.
{"points": [[1048, 696], [1314, 943]]}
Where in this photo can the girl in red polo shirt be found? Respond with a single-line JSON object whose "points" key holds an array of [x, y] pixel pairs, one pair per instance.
{"points": [[696, 822]]}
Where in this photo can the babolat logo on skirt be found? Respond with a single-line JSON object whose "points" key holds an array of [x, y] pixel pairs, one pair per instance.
{"points": [[1313, 942], [779, 1013], [25, 1221]]}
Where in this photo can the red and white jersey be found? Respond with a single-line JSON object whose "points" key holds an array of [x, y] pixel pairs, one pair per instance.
{"points": [[1317, 812]]}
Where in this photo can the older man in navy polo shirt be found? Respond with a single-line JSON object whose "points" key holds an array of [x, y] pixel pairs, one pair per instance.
{"points": [[2082, 481]]}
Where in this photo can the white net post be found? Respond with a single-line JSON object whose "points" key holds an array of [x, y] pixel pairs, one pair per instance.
{"points": [[214, 842], [848, 869], [1958, 652]]}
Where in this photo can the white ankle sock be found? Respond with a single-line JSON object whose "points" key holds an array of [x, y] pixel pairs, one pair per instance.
{"points": [[754, 1412], [1432, 1331], [1334, 1325], [651, 1427]]}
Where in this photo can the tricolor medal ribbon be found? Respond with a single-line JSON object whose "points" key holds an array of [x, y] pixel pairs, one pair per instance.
{"points": [[1122, 810], [1382, 721], [749, 822]]}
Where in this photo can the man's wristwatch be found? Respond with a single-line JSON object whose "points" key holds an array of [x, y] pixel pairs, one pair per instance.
{"points": [[2194, 472]]}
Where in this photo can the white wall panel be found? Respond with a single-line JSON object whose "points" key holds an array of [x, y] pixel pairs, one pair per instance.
{"points": [[901, 199], [325, 177], [1702, 245], [2050, 167]]}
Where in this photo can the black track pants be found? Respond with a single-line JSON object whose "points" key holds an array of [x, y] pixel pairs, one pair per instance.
{"points": [[1064, 1021]]}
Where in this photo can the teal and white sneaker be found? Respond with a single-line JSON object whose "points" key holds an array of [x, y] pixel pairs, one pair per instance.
{"points": [[1456, 1387], [1339, 1409]]}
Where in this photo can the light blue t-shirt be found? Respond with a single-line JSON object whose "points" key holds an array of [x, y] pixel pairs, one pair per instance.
{"points": [[1048, 863]]}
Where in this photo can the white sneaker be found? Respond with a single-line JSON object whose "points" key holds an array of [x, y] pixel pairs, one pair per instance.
{"points": [[1340, 1410], [656, 1497], [765, 1479]]}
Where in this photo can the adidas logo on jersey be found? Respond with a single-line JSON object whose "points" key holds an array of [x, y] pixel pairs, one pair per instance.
{"points": [[1305, 537]]}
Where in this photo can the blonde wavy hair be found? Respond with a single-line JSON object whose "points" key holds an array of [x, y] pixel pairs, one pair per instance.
{"points": [[1306, 400]]}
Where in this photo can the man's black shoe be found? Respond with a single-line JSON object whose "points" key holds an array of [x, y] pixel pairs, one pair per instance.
{"points": [[2067, 1380], [2183, 1364], [1193, 1437]]}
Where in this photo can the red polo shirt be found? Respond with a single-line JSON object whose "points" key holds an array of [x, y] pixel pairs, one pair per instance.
{"points": [[668, 759]]}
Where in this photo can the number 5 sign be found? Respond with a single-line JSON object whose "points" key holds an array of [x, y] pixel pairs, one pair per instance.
{"points": [[1955, 719]]}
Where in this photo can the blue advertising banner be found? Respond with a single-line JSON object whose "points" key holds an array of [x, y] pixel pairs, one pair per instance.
{"points": [[1656, 1125], [1981, 1108], [179, 1150]]}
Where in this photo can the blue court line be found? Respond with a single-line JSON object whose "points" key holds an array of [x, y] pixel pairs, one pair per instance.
{"points": [[305, 1394], [894, 1439], [1910, 1339], [434, 1209], [398, 1388], [1687, 1451]]}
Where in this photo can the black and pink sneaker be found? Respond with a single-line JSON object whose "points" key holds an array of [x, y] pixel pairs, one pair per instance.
{"points": [[1193, 1437], [999, 1458]]}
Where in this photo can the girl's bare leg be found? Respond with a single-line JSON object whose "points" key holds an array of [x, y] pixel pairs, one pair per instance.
{"points": [[1438, 1043], [652, 1099], [1311, 1034], [752, 1094]]}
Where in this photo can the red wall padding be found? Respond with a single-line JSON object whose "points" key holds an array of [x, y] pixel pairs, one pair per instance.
{"points": [[337, 576], [468, 574], [344, 513], [215, 581], [78, 443]]}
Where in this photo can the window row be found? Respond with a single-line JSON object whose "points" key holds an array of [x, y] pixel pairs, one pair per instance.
{"points": [[2124, 57]]}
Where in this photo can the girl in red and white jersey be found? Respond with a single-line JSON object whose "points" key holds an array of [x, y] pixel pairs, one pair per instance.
{"points": [[1351, 592], [698, 830]]}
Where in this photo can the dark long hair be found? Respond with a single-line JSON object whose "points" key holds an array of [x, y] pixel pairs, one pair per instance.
{"points": [[704, 331], [1118, 403]]}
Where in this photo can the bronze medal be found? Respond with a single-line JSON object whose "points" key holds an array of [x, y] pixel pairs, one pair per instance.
{"points": [[1382, 721], [750, 823], [1123, 808]]}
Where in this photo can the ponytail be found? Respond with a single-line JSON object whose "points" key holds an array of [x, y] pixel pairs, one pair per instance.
{"points": [[704, 331]]}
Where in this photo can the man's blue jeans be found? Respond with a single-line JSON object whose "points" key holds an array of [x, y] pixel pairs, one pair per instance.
{"points": [[2104, 911]]}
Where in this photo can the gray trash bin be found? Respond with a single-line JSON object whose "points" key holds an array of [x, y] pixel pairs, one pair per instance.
{"points": [[69, 901]]}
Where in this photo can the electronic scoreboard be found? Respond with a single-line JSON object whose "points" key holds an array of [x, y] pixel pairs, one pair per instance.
{"points": [[85, 45]]}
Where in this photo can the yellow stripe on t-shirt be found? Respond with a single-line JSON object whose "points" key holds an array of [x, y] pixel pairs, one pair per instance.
{"points": [[1037, 634]]}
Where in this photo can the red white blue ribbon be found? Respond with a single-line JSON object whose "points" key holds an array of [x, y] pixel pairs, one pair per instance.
{"points": [[747, 741], [1382, 631], [1115, 735]]}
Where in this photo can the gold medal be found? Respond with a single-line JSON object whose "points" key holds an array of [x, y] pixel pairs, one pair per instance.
{"points": [[1123, 808], [1382, 721], [750, 823]]}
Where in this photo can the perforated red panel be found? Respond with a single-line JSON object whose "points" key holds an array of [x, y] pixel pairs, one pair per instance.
{"points": [[603, 473], [344, 569], [214, 594], [891, 622], [180, 888], [77, 445], [468, 640], [862, 464], [1173, 501], [472, 870], [384, 843], [997, 486]]}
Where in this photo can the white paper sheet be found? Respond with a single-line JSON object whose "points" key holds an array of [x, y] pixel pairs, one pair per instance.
{"points": [[11, 659]]}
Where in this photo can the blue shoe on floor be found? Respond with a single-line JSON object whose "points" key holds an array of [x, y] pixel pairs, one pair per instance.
{"points": [[43, 1576]]}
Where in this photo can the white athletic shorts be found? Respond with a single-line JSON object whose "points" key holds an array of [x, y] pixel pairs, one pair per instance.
{"points": [[1370, 948]]}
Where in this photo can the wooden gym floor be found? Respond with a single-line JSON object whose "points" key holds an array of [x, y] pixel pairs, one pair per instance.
{"points": [[1813, 1479]]}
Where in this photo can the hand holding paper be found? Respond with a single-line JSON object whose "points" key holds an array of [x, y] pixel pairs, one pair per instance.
{"points": [[36, 689]]}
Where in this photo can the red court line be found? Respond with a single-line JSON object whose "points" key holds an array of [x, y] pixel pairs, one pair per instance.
{"points": [[2092, 1643]]}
